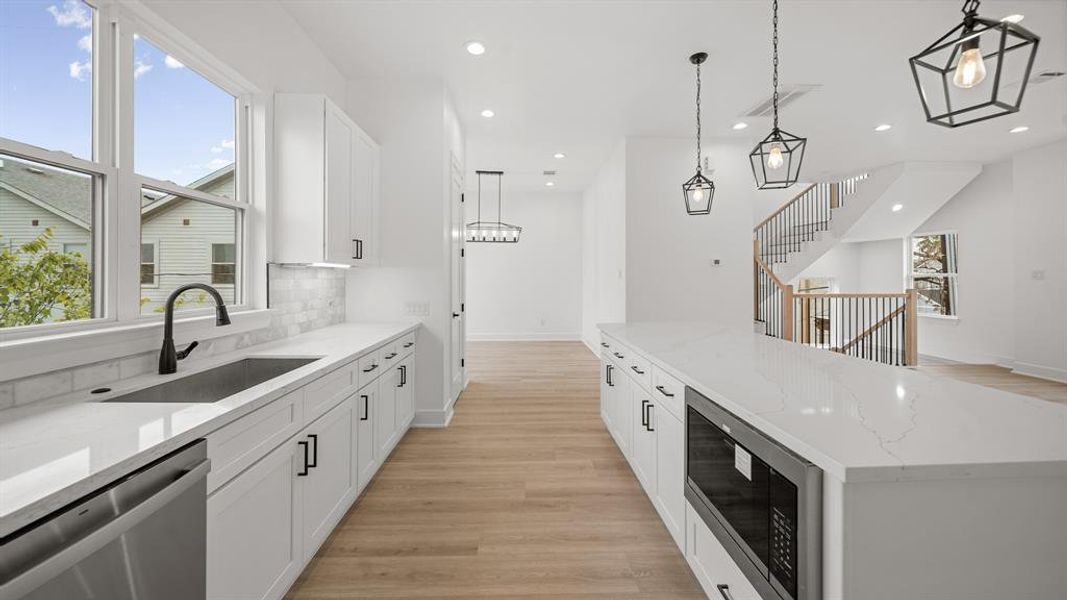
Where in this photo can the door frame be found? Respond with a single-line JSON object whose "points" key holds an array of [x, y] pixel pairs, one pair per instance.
{"points": [[458, 378]]}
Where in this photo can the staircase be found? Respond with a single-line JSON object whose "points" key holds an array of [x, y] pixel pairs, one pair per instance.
{"points": [[877, 327]]}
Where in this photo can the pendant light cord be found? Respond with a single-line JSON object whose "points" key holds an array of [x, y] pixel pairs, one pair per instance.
{"points": [[698, 117], [499, 193], [479, 197], [774, 43], [970, 7]]}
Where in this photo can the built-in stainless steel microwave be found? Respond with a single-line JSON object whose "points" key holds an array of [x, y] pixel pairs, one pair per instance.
{"points": [[762, 502]]}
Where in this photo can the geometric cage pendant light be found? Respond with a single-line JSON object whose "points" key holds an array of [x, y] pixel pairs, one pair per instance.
{"points": [[777, 159], [976, 71], [698, 190], [492, 231]]}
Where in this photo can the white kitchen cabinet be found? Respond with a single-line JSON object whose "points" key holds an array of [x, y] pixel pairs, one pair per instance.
{"points": [[254, 534], [327, 185], [643, 449], [327, 476], [606, 383], [387, 426], [365, 416], [405, 393], [670, 473], [716, 571], [622, 411]]}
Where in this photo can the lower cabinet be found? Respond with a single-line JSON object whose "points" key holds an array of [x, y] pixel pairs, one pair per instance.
{"points": [[367, 408], [643, 448], [405, 394], [327, 477], [387, 425], [254, 537], [716, 571], [670, 473], [606, 383]]}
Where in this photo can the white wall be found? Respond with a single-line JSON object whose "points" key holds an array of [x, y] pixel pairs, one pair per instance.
{"points": [[669, 275], [409, 121], [1040, 181], [604, 247], [532, 289]]}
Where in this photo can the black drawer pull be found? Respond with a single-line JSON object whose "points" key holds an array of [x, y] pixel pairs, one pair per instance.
{"points": [[724, 591], [304, 472], [636, 370], [409, 344], [605, 345], [644, 414], [372, 367], [314, 437], [607, 372], [617, 355], [390, 356], [648, 417], [366, 407], [664, 392]]}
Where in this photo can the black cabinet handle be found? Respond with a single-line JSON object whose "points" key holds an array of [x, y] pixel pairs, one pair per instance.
{"points": [[366, 407], [644, 414], [617, 355], [636, 370], [390, 356], [304, 472], [314, 437], [409, 344], [605, 345], [403, 375], [664, 392], [359, 249], [608, 375], [455, 315], [648, 417], [372, 367], [724, 591]]}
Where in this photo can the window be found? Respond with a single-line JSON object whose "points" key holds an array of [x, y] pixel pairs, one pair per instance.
{"points": [[46, 74], [148, 265], [223, 264], [933, 265], [65, 178]]}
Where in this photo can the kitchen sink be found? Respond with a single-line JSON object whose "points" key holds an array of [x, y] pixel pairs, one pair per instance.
{"points": [[218, 383]]}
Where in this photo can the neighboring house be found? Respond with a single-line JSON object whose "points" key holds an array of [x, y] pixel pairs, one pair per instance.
{"points": [[183, 240]]}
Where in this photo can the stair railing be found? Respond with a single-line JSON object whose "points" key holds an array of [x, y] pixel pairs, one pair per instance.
{"points": [[772, 300]]}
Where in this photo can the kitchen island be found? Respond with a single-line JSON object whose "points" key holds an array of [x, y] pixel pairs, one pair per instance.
{"points": [[932, 488]]}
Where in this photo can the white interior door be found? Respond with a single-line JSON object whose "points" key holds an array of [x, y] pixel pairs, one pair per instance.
{"points": [[458, 269]]}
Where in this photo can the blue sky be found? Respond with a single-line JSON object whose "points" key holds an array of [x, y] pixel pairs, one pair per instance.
{"points": [[183, 124]]}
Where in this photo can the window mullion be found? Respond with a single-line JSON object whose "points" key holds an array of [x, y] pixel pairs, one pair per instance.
{"points": [[125, 202]]}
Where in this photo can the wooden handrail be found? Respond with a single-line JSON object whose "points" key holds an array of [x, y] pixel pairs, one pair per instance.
{"points": [[851, 295], [759, 262], [784, 206], [870, 330]]}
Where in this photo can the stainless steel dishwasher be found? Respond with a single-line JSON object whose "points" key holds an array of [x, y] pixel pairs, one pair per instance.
{"points": [[142, 537]]}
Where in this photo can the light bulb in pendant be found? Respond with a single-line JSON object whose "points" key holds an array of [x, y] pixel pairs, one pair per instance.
{"points": [[698, 195], [774, 157], [970, 71]]}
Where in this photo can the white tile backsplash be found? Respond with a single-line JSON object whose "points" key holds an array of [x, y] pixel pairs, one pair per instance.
{"points": [[302, 299]]}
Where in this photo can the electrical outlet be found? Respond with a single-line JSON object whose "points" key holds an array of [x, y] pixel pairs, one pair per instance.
{"points": [[417, 309], [715, 262], [1037, 274]]}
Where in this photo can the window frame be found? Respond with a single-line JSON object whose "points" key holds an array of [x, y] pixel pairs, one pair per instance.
{"points": [[116, 226], [213, 262], [954, 276], [155, 264]]}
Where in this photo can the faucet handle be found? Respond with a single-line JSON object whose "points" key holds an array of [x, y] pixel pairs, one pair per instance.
{"points": [[188, 350]]}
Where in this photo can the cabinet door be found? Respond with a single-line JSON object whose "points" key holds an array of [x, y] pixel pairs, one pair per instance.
{"points": [[622, 415], [339, 246], [606, 385], [366, 443], [253, 531], [643, 453], [670, 473], [387, 424], [405, 395], [328, 485], [363, 216]]}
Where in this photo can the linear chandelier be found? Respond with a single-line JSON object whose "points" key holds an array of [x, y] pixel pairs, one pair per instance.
{"points": [[492, 231]]}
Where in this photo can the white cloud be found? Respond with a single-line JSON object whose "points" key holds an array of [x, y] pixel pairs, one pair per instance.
{"points": [[218, 163], [228, 144], [140, 68], [86, 43], [223, 145], [172, 63], [81, 70], [74, 12]]}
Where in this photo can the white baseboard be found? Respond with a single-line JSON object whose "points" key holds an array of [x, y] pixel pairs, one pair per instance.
{"points": [[524, 337], [592, 346], [1040, 371], [432, 418]]}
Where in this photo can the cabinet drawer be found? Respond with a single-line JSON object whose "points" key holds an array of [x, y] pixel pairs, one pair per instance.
{"points": [[369, 367], [619, 355], [236, 446], [325, 392], [668, 392], [406, 344], [640, 369], [606, 344], [390, 354], [714, 568]]}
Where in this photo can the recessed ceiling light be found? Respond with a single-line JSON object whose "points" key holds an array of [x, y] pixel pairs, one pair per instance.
{"points": [[488, 114], [475, 48], [883, 127], [897, 207], [550, 183], [559, 155], [1019, 129], [1013, 18], [740, 125]]}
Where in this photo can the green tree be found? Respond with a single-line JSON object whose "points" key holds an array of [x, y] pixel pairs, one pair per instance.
{"points": [[39, 285]]}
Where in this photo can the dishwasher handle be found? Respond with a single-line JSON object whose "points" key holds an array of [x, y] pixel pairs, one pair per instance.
{"points": [[41, 573]]}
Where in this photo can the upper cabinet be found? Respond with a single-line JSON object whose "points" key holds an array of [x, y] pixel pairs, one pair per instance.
{"points": [[326, 199]]}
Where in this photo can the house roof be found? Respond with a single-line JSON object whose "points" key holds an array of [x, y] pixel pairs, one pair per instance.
{"points": [[67, 193], [63, 192]]}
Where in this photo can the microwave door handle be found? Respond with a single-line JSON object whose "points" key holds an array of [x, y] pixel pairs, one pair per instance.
{"points": [[724, 591], [34, 577]]}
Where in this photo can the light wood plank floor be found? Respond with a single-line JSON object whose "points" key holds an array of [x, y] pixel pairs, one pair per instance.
{"points": [[525, 495], [1002, 379]]}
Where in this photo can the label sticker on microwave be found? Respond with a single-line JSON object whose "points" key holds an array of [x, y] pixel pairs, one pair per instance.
{"points": [[743, 461]]}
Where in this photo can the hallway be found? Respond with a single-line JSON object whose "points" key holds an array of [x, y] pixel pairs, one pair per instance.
{"points": [[524, 495]]}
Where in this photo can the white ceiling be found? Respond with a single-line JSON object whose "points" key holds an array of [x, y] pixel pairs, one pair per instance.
{"points": [[576, 76]]}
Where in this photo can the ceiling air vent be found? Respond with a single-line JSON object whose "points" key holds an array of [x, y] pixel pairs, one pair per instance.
{"points": [[1043, 76], [787, 94], [548, 173]]}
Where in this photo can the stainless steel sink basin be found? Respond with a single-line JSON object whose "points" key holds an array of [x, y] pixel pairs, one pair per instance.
{"points": [[218, 383]]}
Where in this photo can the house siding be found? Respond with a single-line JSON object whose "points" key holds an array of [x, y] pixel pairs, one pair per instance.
{"points": [[16, 224]]}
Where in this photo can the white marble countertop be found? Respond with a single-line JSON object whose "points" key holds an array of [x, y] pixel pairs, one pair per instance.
{"points": [[859, 420], [54, 452]]}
